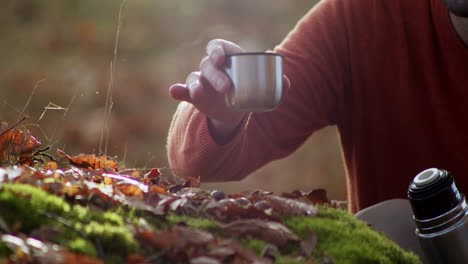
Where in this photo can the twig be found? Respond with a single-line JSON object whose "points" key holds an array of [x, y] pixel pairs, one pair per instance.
{"points": [[30, 97], [50, 106], [13, 126], [109, 103]]}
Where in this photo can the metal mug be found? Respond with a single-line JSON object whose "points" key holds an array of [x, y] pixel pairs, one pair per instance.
{"points": [[257, 81]]}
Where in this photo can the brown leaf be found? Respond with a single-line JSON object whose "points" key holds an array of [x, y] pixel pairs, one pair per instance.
{"points": [[74, 258], [178, 238], [89, 161], [271, 232], [296, 194], [163, 240], [16, 142], [309, 243], [135, 259], [318, 196], [192, 182], [290, 207], [204, 260], [45, 233], [228, 210]]}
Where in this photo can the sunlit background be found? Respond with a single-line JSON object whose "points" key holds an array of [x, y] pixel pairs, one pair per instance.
{"points": [[55, 68]]}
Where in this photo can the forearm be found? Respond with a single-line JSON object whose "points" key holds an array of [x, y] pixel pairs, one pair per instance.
{"points": [[193, 151]]}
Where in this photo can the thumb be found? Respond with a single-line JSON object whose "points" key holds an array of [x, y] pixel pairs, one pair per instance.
{"points": [[180, 92]]}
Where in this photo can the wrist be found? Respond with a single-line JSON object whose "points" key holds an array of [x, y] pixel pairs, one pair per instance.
{"points": [[223, 132]]}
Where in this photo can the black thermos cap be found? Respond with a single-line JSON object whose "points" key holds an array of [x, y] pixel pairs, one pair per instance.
{"points": [[432, 193]]}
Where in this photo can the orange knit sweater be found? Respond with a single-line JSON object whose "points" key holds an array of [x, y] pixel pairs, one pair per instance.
{"points": [[392, 75]]}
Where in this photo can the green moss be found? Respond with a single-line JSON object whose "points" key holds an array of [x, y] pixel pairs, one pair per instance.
{"points": [[288, 260], [348, 240], [115, 239], [4, 251], [82, 246], [196, 223], [20, 202], [340, 235], [107, 229], [256, 245]]}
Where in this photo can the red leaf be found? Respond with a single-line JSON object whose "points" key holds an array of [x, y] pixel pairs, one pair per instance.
{"points": [[152, 174]]}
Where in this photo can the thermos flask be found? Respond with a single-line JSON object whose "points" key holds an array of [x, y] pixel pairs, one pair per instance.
{"points": [[440, 213]]}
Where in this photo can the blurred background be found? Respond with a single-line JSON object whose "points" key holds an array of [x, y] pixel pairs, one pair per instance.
{"points": [[55, 68]]}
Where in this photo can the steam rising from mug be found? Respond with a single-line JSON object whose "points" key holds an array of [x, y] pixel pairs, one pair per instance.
{"points": [[257, 81]]}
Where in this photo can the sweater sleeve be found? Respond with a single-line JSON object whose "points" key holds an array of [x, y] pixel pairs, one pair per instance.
{"points": [[315, 63]]}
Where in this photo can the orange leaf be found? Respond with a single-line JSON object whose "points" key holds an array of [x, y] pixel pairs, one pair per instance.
{"points": [[89, 161], [51, 165], [157, 189], [108, 181], [15, 142], [130, 189]]}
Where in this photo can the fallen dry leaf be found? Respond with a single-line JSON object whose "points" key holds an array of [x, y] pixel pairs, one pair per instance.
{"points": [[51, 165], [290, 207], [271, 232], [88, 161], [309, 243]]}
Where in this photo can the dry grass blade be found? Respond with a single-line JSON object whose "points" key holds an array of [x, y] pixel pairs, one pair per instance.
{"points": [[30, 97], [105, 132]]}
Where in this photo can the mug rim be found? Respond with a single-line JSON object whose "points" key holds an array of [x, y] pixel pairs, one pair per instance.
{"points": [[255, 53]]}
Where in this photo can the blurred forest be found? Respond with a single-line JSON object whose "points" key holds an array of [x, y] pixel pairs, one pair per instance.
{"points": [[55, 69]]}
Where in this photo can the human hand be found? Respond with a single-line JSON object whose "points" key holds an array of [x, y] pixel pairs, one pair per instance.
{"points": [[205, 89]]}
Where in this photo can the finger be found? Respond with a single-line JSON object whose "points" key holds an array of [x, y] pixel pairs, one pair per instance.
{"points": [[192, 78], [217, 49], [200, 92], [180, 92], [198, 88], [216, 77]]}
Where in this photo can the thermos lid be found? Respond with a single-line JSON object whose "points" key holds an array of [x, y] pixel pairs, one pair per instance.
{"points": [[432, 193]]}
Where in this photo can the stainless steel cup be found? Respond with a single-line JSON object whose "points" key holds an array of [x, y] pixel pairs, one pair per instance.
{"points": [[257, 81]]}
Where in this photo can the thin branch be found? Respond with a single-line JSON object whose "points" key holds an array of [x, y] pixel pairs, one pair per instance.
{"points": [[105, 132], [30, 97], [50, 106]]}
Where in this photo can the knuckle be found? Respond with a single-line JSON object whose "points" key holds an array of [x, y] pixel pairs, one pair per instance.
{"points": [[192, 78], [215, 41], [204, 63]]}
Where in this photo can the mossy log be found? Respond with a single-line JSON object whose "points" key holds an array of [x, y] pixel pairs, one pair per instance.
{"points": [[110, 235]]}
